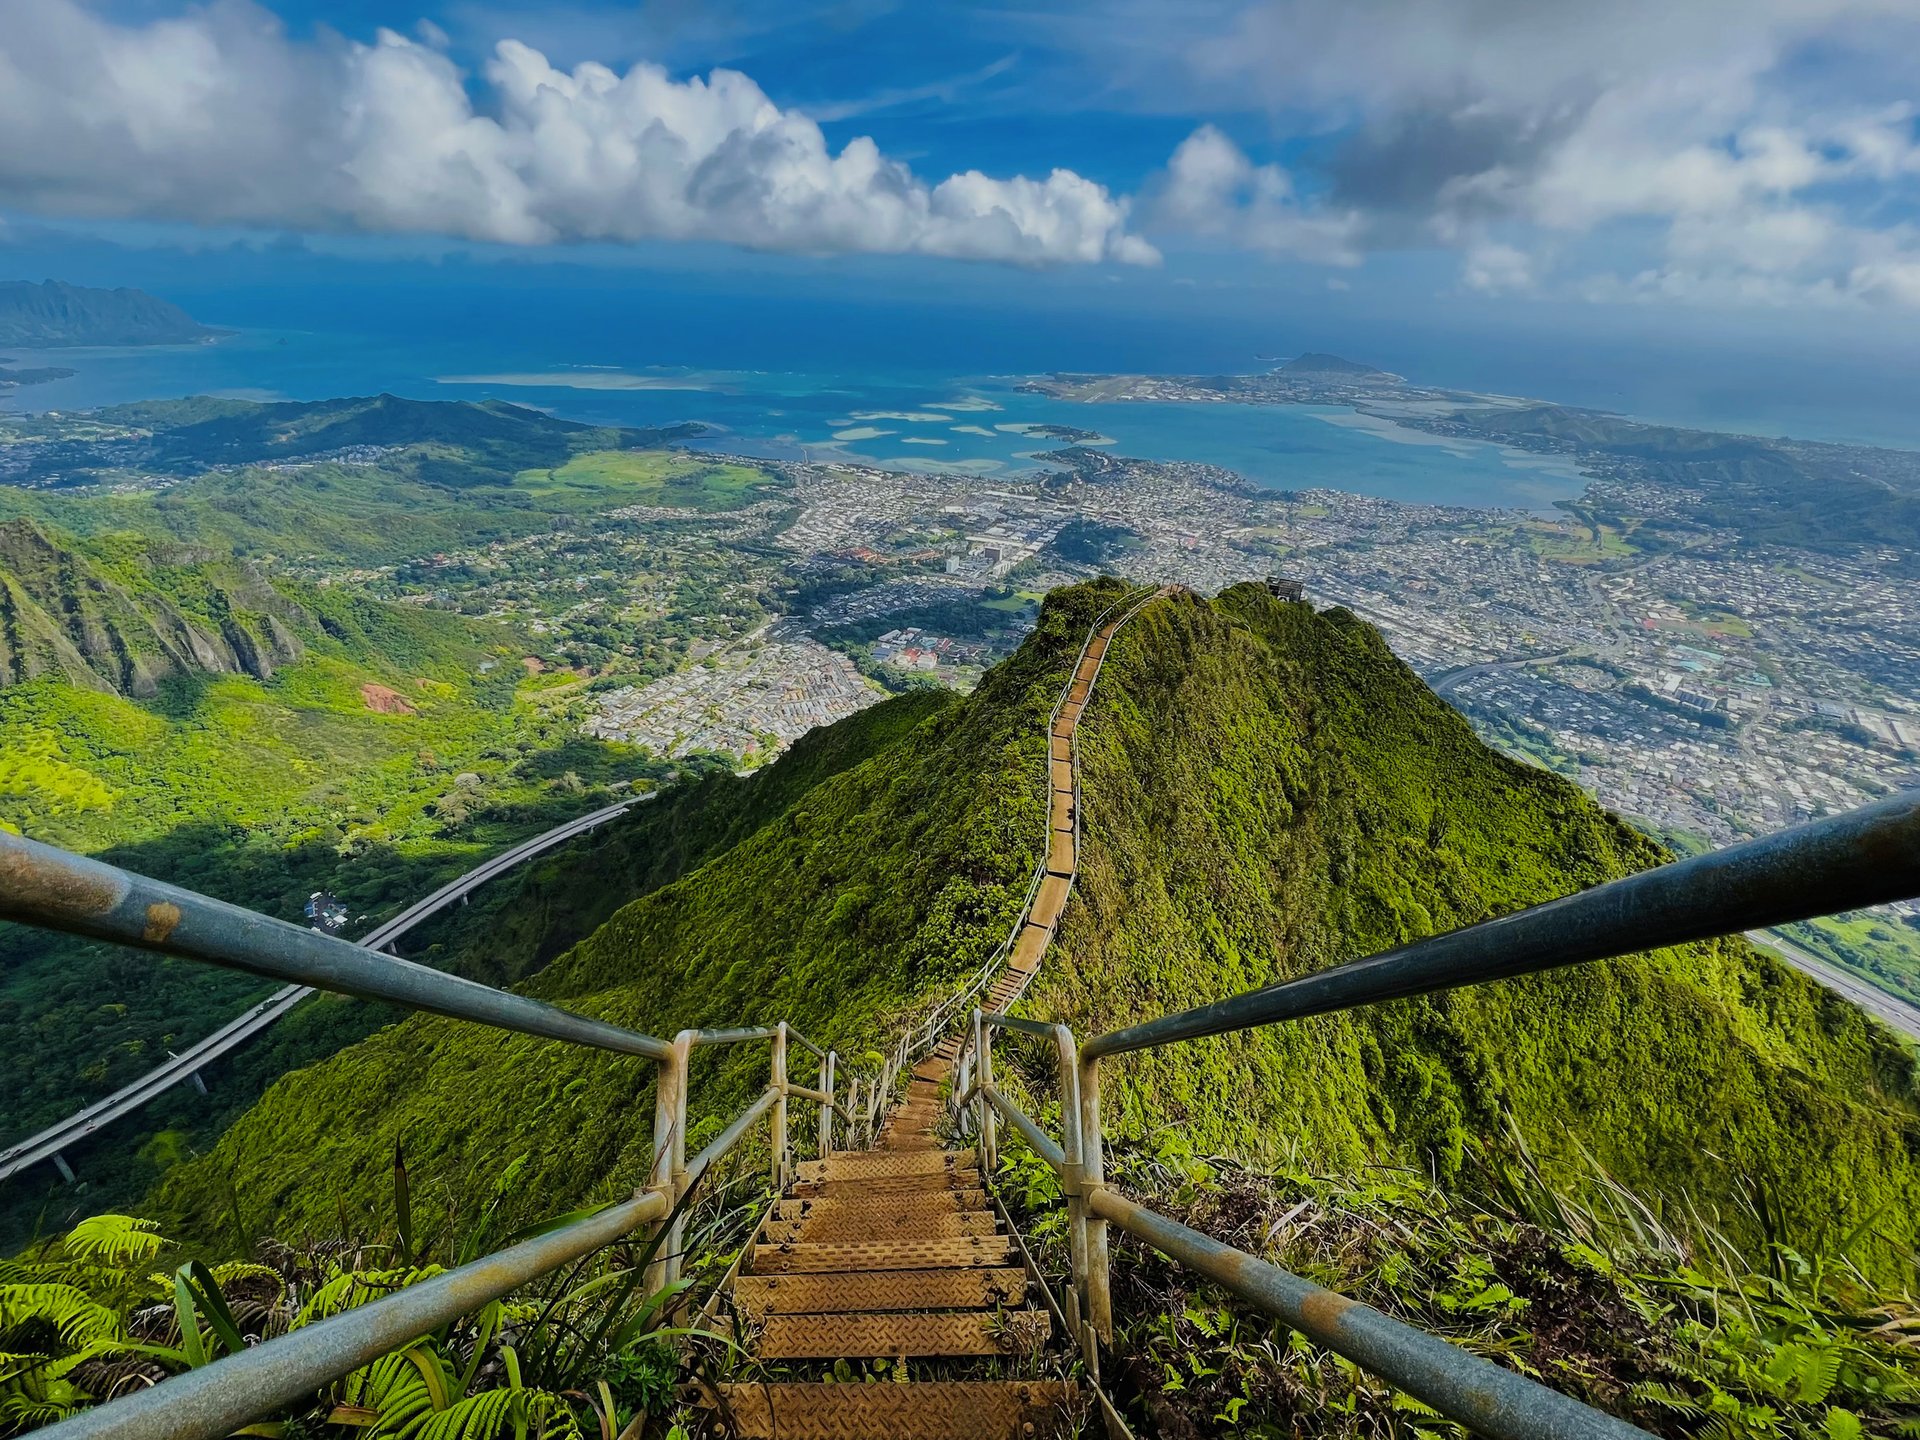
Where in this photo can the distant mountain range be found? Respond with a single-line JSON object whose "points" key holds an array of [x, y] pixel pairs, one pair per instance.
{"points": [[55, 314]]}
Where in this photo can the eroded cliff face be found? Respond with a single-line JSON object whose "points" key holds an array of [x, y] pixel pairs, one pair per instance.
{"points": [[116, 628]]}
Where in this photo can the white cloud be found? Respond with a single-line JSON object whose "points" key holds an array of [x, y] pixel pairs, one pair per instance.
{"points": [[1746, 150], [1212, 189], [1496, 269], [219, 117]]}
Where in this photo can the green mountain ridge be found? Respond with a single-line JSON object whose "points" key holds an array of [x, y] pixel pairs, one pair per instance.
{"points": [[63, 615], [55, 314], [1268, 791]]}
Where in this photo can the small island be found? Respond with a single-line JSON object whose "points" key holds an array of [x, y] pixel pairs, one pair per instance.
{"points": [[13, 379]]}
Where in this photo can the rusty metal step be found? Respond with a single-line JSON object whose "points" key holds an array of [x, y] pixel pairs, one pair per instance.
{"points": [[910, 1202], [871, 1290], [887, 1185], [831, 1337], [869, 1164], [880, 1225], [1030, 947], [1050, 900], [927, 1410], [793, 1257]]}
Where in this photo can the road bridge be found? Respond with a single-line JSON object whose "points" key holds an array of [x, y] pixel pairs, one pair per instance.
{"points": [[82, 1124]]}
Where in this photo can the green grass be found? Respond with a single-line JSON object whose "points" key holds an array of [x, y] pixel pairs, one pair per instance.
{"points": [[671, 479], [1881, 949]]}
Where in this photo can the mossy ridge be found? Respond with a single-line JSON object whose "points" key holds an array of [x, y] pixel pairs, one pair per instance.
{"points": [[877, 886], [1268, 791]]}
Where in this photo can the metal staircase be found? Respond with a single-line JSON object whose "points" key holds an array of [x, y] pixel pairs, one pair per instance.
{"points": [[894, 1253], [900, 1251]]}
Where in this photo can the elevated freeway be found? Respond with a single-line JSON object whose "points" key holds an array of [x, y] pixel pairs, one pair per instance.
{"points": [[82, 1124]]}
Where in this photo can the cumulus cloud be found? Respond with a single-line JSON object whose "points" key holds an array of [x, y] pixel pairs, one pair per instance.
{"points": [[1496, 269], [1752, 148], [217, 116], [1212, 189]]}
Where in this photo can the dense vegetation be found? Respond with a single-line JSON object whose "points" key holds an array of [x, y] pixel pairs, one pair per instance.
{"points": [[1674, 1331], [1269, 791]]}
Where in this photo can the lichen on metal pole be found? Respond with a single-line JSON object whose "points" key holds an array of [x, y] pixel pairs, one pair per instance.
{"points": [[669, 1155], [778, 1147], [1486, 1398]]}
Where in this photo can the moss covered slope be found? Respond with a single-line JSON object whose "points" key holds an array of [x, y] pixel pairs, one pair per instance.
{"points": [[1268, 791], [882, 882]]}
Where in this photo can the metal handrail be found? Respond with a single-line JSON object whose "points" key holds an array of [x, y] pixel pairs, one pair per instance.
{"points": [[42, 885], [218, 1399], [1866, 857], [46, 886], [920, 1036]]}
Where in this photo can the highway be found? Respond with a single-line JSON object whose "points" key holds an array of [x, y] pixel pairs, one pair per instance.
{"points": [[1896, 1014], [1444, 683], [76, 1127]]}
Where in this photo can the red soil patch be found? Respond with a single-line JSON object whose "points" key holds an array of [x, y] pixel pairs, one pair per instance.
{"points": [[380, 699]]}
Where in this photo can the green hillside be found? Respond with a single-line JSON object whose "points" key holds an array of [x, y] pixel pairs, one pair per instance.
{"points": [[1269, 791]]}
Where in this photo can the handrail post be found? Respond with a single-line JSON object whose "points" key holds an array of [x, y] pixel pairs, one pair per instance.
{"points": [[1094, 1163], [669, 1173], [985, 1121], [1073, 1182], [779, 1119], [827, 1068]]}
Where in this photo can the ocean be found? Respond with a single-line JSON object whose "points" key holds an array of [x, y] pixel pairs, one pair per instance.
{"points": [[932, 384], [927, 420]]}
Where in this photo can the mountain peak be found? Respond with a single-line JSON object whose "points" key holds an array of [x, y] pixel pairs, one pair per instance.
{"points": [[54, 314]]}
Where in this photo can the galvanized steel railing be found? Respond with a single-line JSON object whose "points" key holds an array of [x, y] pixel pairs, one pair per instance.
{"points": [[1867, 857], [44, 886]]}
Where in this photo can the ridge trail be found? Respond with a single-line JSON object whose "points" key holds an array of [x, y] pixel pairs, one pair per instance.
{"points": [[894, 1253]]}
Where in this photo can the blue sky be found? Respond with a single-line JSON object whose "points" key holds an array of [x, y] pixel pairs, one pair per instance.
{"points": [[1752, 166]]}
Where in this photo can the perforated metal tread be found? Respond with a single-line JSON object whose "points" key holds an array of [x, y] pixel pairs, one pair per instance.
{"points": [[908, 1202], [879, 1225], [886, 1185], [874, 1164], [928, 1410], [882, 1255], [875, 1290], [829, 1337]]}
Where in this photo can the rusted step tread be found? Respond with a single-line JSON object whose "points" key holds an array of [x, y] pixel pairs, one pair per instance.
{"points": [[1031, 946], [869, 1164], [830, 1337], [845, 1229], [959, 1288], [911, 1202], [1060, 857], [794, 1257], [1050, 901], [924, 1410], [888, 1184]]}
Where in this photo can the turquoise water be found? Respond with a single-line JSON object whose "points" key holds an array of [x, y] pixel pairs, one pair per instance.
{"points": [[923, 421]]}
